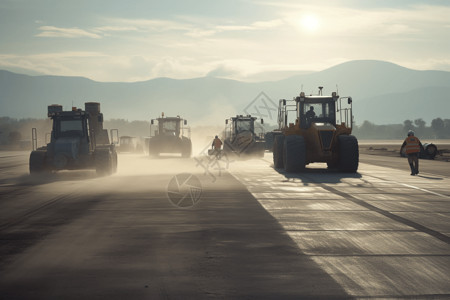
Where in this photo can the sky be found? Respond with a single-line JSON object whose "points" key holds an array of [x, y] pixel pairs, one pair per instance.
{"points": [[248, 40]]}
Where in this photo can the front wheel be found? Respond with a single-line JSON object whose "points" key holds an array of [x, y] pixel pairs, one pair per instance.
{"points": [[348, 154], [37, 162], [277, 152], [186, 149], [294, 153], [104, 164]]}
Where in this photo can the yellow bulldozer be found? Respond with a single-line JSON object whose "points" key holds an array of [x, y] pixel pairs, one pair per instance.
{"points": [[321, 132]]}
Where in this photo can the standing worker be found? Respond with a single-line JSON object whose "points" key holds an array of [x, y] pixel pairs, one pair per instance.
{"points": [[412, 148], [217, 143]]}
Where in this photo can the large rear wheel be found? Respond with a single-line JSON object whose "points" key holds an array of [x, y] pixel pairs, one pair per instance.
{"points": [[348, 154], [294, 153], [37, 162], [153, 150], [186, 148], [104, 162]]}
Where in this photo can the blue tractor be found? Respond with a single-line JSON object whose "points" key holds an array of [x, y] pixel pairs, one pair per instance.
{"points": [[78, 141]]}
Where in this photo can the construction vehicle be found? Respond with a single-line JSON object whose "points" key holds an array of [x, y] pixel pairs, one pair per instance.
{"points": [[242, 137], [170, 135], [77, 141], [321, 133], [125, 143]]}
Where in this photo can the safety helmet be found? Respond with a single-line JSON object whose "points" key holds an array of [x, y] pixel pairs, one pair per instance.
{"points": [[410, 133]]}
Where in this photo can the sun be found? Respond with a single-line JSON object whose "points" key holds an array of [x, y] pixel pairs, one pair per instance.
{"points": [[309, 23]]}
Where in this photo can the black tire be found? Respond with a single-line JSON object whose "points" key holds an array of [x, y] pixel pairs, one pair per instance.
{"points": [[227, 147], [278, 144], [114, 162], [294, 153], [37, 163], [348, 154], [187, 149], [430, 151], [103, 162], [332, 165], [269, 140], [152, 149]]}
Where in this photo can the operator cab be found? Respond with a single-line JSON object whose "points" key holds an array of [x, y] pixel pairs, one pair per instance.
{"points": [[169, 126], [243, 124], [69, 126], [316, 109]]}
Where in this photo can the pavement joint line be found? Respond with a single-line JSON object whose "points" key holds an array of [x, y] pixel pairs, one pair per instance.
{"points": [[376, 255], [392, 216], [353, 230], [412, 186], [371, 207], [18, 219], [421, 172], [425, 190]]}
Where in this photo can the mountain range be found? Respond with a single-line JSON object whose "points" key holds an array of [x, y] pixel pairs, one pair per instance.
{"points": [[382, 92]]}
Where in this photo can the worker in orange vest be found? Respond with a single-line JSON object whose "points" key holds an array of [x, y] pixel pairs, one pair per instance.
{"points": [[412, 148], [217, 143]]}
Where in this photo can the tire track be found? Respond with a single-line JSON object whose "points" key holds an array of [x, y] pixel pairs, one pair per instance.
{"points": [[22, 217]]}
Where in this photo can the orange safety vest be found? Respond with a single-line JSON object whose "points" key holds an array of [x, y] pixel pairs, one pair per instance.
{"points": [[217, 143], [412, 145]]}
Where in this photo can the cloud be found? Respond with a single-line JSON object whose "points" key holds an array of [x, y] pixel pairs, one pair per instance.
{"points": [[365, 23], [147, 25], [56, 32], [259, 25], [115, 28], [192, 27], [223, 71], [237, 46]]}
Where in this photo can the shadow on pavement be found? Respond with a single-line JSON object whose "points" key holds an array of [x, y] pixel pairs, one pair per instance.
{"points": [[226, 247], [49, 177], [326, 175], [429, 177]]}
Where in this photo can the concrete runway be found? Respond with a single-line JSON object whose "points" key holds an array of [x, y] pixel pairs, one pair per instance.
{"points": [[253, 233]]}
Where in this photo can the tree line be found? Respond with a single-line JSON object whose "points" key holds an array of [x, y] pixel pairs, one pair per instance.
{"points": [[14, 131], [438, 129]]}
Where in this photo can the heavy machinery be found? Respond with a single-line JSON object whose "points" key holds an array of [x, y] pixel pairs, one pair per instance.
{"points": [[170, 136], [321, 133], [242, 137], [77, 141], [126, 143]]}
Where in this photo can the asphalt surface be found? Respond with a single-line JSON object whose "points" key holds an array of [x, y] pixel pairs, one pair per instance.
{"points": [[242, 231]]}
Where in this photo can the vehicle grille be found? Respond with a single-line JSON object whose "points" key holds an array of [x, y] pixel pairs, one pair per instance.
{"points": [[327, 137]]}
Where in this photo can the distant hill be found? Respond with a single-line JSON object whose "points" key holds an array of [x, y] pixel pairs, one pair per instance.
{"points": [[383, 93]]}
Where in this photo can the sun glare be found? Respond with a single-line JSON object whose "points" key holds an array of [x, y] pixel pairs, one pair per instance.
{"points": [[309, 23]]}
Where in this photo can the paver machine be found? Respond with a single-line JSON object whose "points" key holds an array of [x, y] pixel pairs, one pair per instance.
{"points": [[321, 132], [77, 141], [170, 135], [243, 137]]}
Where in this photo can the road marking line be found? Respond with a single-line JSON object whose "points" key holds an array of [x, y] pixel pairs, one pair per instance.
{"points": [[424, 190]]}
